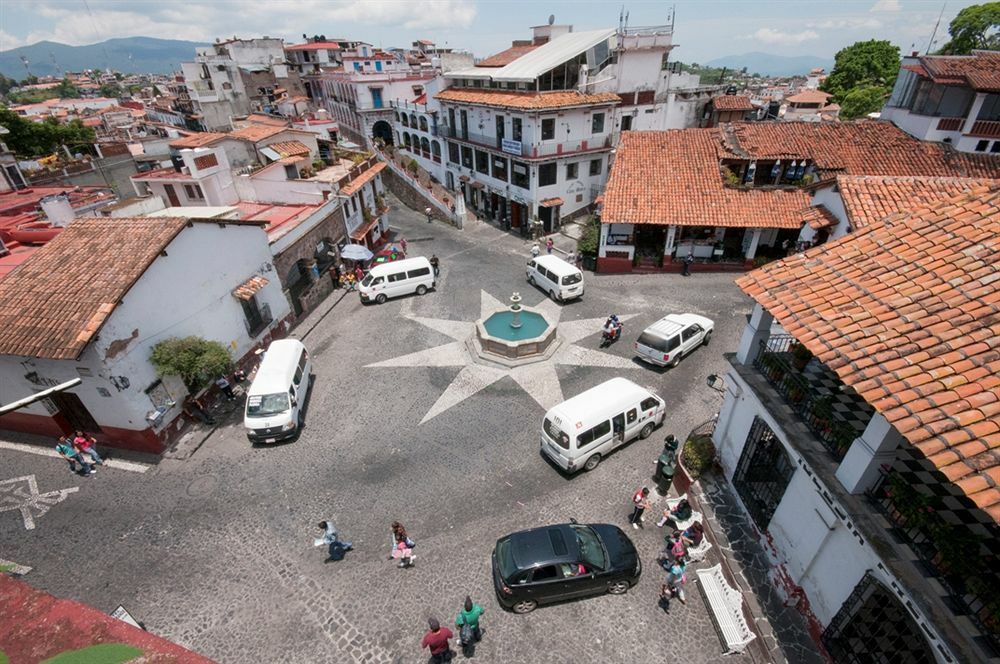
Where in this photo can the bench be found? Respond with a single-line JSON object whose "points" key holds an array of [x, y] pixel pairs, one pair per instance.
{"points": [[726, 604], [686, 523], [697, 554]]}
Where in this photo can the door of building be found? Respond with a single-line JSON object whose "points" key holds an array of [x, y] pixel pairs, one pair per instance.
{"points": [[71, 408], [515, 215], [545, 216], [172, 195]]}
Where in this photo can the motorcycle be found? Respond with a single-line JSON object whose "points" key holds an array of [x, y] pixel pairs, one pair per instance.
{"points": [[610, 334]]}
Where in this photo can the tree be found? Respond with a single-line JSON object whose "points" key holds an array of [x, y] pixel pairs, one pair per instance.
{"points": [[67, 90], [873, 63], [111, 90], [975, 27], [6, 84], [197, 361], [32, 139], [859, 102]]}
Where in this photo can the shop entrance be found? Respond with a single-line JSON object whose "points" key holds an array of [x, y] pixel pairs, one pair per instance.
{"points": [[76, 414], [649, 243]]}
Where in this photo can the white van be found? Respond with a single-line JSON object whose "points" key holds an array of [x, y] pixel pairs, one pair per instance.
{"points": [[410, 275], [560, 280], [672, 337], [278, 391], [580, 431]]}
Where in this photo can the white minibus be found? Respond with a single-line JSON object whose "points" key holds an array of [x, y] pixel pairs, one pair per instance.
{"points": [[560, 280], [278, 392], [410, 275], [580, 431]]}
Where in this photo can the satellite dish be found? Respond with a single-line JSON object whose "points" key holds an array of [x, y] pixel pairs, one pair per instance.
{"points": [[552, 19]]}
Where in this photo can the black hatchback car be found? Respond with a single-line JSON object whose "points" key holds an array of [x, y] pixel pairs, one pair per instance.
{"points": [[560, 562]]}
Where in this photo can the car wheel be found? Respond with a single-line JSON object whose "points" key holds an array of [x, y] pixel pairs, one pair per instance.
{"points": [[380, 298], [707, 339], [421, 289], [675, 361], [552, 294], [528, 605], [618, 588], [646, 430], [531, 280], [592, 462]]}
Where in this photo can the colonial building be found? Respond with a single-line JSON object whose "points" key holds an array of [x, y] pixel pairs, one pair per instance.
{"points": [[739, 193], [98, 319], [860, 430], [728, 108], [810, 106], [953, 99]]}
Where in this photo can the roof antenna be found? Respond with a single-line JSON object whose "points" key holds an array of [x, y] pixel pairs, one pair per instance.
{"points": [[621, 19], [934, 34]]}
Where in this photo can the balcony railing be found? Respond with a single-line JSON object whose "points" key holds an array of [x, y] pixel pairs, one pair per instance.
{"points": [[950, 552], [950, 124], [781, 361], [986, 128], [532, 151]]}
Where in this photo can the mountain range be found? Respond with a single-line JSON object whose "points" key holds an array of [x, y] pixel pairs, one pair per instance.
{"points": [[769, 64], [139, 55]]}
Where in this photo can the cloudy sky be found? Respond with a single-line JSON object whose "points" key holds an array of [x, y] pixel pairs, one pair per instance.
{"points": [[705, 29]]}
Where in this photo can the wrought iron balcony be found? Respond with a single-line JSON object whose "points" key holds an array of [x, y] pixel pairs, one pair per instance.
{"points": [[832, 411]]}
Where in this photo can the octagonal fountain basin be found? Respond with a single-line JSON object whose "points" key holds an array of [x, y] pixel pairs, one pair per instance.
{"points": [[515, 335]]}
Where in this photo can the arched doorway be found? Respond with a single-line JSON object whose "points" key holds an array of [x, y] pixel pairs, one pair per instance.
{"points": [[874, 626], [383, 131]]}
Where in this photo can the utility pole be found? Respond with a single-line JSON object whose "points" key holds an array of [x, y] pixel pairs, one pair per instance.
{"points": [[934, 33], [21, 403]]}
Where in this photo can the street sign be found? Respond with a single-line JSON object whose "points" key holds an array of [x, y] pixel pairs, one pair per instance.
{"points": [[510, 147]]}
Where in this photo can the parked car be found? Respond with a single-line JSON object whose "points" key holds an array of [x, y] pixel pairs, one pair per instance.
{"points": [[277, 394], [411, 275], [672, 337], [558, 279], [560, 562]]}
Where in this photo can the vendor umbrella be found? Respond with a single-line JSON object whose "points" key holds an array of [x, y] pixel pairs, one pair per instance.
{"points": [[356, 252]]}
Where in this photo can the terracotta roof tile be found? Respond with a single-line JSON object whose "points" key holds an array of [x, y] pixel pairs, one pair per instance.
{"points": [[869, 198], [52, 305], [290, 148], [979, 71], [258, 132], [809, 97], [818, 217], [249, 288], [508, 56], [896, 275], [354, 185], [732, 103], [197, 140], [525, 100]]}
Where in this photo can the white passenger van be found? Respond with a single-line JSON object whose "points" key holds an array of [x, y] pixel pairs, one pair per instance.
{"points": [[560, 280], [278, 391], [580, 431], [410, 275]]}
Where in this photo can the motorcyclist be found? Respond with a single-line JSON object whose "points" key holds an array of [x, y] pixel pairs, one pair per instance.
{"points": [[612, 327]]}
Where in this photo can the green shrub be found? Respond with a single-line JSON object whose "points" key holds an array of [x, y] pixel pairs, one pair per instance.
{"points": [[590, 239], [698, 455], [197, 361]]}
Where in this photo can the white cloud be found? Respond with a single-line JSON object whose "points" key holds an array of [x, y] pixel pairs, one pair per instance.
{"points": [[887, 6], [866, 23], [9, 41], [208, 20], [771, 36]]}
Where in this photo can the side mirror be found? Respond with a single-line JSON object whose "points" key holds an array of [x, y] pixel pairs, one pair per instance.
{"points": [[573, 521]]}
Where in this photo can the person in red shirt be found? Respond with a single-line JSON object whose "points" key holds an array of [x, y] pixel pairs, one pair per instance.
{"points": [[84, 443], [437, 640]]}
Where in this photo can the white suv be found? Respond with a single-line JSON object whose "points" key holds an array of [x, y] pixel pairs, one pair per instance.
{"points": [[672, 337]]}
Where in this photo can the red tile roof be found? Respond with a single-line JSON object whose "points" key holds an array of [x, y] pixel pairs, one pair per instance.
{"points": [[732, 103], [250, 287], [525, 100], [289, 148], [508, 56], [551, 202], [262, 119], [818, 217], [870, 198], [354, 185], [979, 71], [863, 147], [54, 303], [673, 178], [312, 46], [259, 132], [197, 140], [907, 312], [809, 97]]}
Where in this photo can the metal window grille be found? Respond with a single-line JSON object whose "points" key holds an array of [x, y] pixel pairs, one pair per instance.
{"points": [[873, 627], [763, 473]]}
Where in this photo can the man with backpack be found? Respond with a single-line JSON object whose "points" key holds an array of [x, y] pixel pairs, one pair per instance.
{"points": [[468, 626]]}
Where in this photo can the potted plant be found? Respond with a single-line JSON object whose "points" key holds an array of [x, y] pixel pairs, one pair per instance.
{"points": [[800, 356], [823, 414]]}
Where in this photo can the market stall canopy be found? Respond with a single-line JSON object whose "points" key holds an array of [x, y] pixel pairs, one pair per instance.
{"points": [[356, 252]]}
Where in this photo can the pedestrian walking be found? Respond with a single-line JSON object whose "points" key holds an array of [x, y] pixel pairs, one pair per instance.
{"points": [[640, 501], [687, 264], [87, 444], [336, 272], [223, 384], [402, 244], [331, 538], [437, 641], [194, 409], [469, 631], [402, 545], [428, 212], [435, 263], [66, 450], [676, 578], [535, 250], [548, 245], [359, 274]]}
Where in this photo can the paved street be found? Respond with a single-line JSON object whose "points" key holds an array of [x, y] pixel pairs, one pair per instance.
{"points": [[215, 552]]}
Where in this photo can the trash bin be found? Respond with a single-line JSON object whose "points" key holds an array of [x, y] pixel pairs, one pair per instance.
{"points": [[665, 465], [665, 480]]}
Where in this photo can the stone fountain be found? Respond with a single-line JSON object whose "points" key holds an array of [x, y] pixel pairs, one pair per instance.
{"points": [[515, 335]]}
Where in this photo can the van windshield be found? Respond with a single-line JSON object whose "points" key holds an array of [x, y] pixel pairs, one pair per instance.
{"points": [[571, 279], [653, 341], [263, 405], [367, 281]]}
